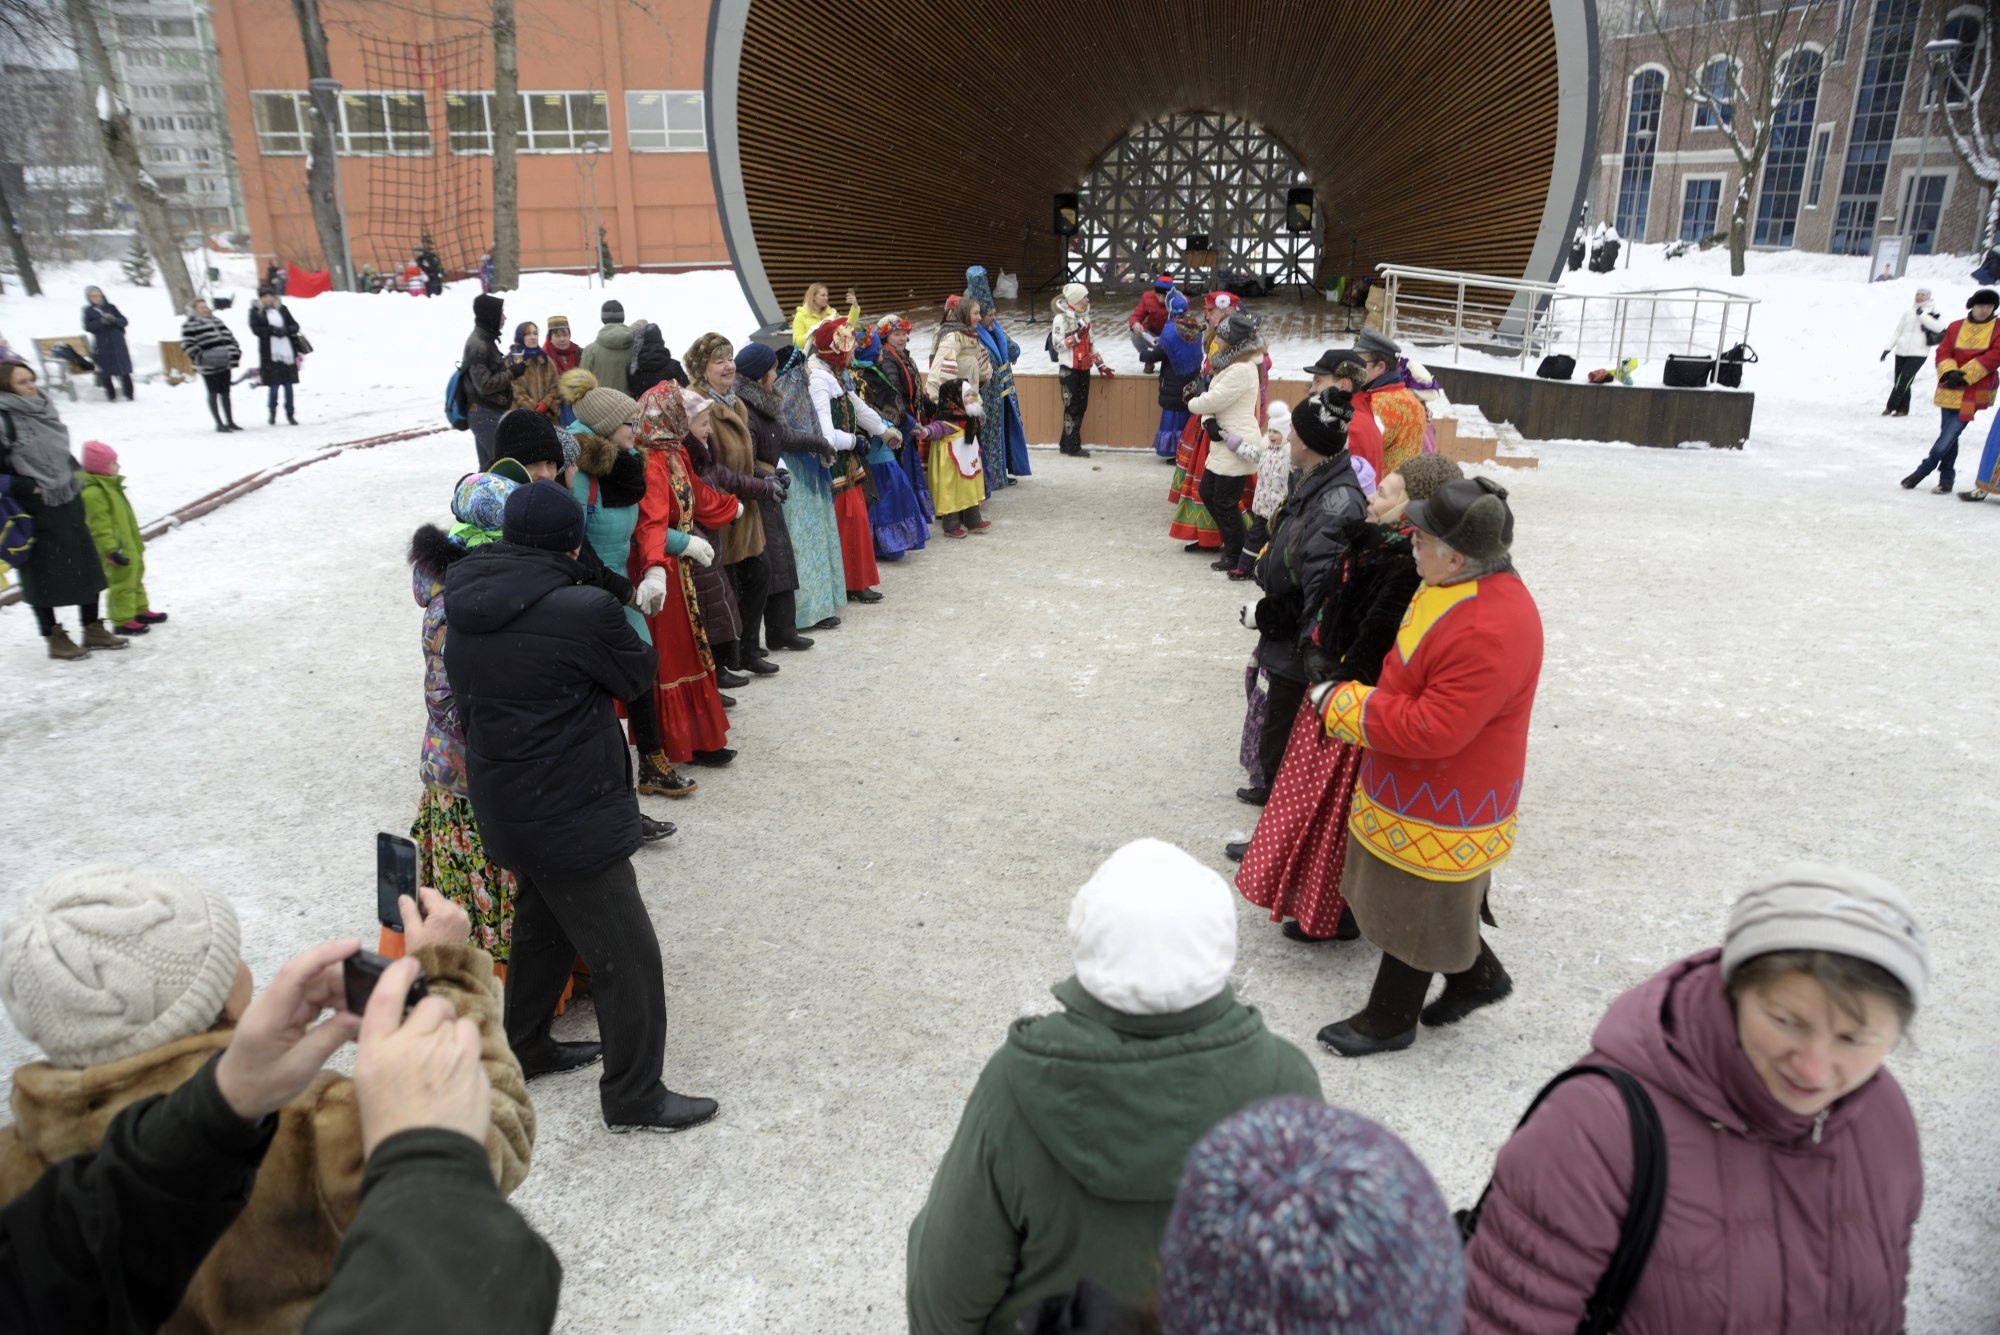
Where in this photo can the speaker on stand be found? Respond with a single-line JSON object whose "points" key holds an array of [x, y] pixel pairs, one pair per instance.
{"points": [[1068, 224], [1299, 207]]}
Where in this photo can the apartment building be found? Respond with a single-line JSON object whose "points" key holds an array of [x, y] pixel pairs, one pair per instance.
{"points": [[1858, 145], [169, 70]]}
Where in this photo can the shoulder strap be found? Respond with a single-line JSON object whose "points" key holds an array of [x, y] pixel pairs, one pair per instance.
{"points": [[1643, 1210]]}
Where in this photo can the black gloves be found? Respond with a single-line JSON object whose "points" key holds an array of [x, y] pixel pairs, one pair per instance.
{"points": [[1953, 380], [118, 558], [1276, 617]]}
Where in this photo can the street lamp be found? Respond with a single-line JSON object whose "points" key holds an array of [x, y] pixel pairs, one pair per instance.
{"points": [[1644, 139], [591, 148], [1939, 56]]}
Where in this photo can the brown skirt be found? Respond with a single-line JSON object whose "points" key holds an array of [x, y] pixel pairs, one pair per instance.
{"points": [[1429, 925]]}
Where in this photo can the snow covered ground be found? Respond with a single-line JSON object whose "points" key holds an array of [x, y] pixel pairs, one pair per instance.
{"points": [[1752, 656]]}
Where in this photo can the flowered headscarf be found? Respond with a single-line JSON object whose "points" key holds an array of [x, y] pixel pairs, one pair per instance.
{"points": [[663, 418]]}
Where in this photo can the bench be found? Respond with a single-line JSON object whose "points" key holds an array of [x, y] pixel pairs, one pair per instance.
{"points": [[174, 358], [54, 371]]}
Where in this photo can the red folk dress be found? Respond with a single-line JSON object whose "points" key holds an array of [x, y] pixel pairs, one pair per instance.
{"points": [[690, 708]]}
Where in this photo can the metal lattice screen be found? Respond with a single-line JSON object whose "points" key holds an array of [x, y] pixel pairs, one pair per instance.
{"points": [[1197, 173]]}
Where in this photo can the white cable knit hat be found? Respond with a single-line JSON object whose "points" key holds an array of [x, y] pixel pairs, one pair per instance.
{"points": [[105, 961], [1822, 906], [1153, 931]]}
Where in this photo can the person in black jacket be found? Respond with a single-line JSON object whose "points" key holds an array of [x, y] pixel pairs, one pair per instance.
{"points": [[433, 268], [277, 335], [535, 658], [106, 326], [652, 363], [486, 376], [110, 1240], [1300, 567]]}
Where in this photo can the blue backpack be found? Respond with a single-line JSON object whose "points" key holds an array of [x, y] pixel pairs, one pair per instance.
{"points": [[454, 400]]}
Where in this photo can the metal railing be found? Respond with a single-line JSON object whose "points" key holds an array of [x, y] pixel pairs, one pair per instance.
{"points": [[1523, 320]]}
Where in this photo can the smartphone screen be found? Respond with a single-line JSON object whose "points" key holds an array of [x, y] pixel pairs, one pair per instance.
{"points": [[395, 875]]}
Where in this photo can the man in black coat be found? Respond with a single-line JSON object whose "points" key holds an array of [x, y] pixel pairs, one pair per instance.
{"points": [[536, 656], [1300, 567], [486, 376]]}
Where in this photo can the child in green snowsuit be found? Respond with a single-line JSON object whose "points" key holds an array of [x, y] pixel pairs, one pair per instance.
{"points": [[119, 545]]}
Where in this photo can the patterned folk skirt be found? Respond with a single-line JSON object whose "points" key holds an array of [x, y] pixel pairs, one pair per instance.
{"points": [[822, 590], [1295, 861], [452, 859]]}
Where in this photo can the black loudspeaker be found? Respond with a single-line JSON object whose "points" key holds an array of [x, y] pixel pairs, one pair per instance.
{"points": [[1299, 209], [1067, 207]]}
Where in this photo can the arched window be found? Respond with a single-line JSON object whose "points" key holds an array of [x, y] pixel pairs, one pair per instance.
{"points": [[1718, 82], [1642, 133], [1962, 26], [1791, 147]]}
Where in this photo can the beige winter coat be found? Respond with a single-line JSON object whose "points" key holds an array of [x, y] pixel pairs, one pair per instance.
{"points": [[1232, 401], [268, 1270]]}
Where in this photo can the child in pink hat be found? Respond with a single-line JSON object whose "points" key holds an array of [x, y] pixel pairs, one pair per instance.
{"points": [[119, 543]]}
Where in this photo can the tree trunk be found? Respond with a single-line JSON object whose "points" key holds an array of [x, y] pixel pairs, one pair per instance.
{"points": [[323, 166], [16, 242], [506, 167], [1739, 228], [114, 123]]}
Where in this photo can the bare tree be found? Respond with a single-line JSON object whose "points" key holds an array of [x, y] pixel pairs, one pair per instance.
{"points": [[323, 166], [1757, 40], [114, 124], [506, 167], [1968, 105], [29, 25], [17, 243]]}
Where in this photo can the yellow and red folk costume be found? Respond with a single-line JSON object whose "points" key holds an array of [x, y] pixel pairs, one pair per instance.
{"points": [[1969, 348], [1446, 731], [1388, 427], [676, 499]]}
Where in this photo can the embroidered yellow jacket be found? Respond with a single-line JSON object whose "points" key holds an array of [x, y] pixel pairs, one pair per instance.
{"points": [[1446, 731]]}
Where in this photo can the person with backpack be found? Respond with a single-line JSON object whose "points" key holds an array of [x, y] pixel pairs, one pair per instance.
{"points": [[1793, 1173], [214, 353], [485, 378]]}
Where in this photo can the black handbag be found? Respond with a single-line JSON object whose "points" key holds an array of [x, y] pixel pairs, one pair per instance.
{"points": [[1685, 372], [1643, 1211], [1557, 366], [301, 344], [1729, 373]]}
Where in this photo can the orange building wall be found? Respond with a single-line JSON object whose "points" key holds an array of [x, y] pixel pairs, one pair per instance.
{"points": [[657, 209]]}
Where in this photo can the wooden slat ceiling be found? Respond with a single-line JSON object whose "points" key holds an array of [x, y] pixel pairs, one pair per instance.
{"points": [[887, 144]]}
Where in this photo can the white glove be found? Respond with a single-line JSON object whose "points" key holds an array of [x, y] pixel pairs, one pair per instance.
{"points": [[975, 409], [893, 438], [651, 594], [1247, 615], [738, 515], [1319, 693], [700, 550]]}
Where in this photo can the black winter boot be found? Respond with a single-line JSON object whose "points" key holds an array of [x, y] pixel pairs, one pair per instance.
{"points": [[658, 778], [725, 660], [1388, 1023], [1483, 984]]}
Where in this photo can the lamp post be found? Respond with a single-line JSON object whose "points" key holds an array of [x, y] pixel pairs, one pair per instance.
{"points": [[1938, 56], [1644, 139], [591, 148], [331, 90]]}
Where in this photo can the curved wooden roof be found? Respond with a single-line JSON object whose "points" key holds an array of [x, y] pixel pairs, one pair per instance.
{"points": [[886, 144]]}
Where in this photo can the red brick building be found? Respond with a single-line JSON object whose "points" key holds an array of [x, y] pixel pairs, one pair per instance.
{"points": [[1848, 157]]}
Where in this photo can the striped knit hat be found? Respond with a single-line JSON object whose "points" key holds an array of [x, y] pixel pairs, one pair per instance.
{"points": [[1301, 1217]]}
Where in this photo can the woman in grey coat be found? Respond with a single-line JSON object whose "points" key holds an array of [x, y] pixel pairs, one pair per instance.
{"points": [[38, 473]]}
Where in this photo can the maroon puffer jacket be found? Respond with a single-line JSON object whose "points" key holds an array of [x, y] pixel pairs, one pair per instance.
{"points": [[1774, 1221]]}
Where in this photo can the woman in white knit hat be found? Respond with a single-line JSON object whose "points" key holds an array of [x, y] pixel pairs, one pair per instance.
{"points": [[1793, 1174], [129, 982]]}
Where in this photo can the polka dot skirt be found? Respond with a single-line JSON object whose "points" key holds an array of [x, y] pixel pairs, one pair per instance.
{"points": [[1295, 859]]}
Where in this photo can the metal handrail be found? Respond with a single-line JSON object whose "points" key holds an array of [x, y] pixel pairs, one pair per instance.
{"points": [[1539, 318]]}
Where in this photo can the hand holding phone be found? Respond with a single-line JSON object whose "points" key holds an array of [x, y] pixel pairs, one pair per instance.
{"points": [[361, 971], [395, 876]]}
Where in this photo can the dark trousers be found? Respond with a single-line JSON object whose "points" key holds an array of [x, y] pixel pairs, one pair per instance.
{"points": [[1281, 711], [1944, 452], [113, 383], [1256, 532], [960, 519], [217, 384], [1076, 400], [781, 617], [1906, 375], [600, 917], [645, 716], [1223, 498], [485, 423], [45, 617], [752, 578]]}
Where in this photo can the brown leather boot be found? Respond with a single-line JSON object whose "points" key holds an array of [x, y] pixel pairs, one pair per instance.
{"points": [[97, 635], [658, 778], [62, 646]]}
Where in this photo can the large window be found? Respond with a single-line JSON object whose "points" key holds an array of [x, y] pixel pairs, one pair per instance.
{"points": [[1923, 210], [551, 122], [1701, 207], [1642, 133], [1962, 26], [1878, 102], [1816, 178], [371, 124], [1791, 144], [664, 123], [1718, 81]]}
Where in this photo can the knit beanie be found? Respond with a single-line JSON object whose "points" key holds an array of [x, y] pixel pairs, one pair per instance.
{"points": [[1278, 418], [612, 312], [605, 409], [1237, 327], [106, 961], [1164, 283], [100, 459], [754, 360], [1321, 421], [526, 436], [1075, 294], [1819, 906], [1296, 1216], [1470, 516], [574, 384], [1423, 475], [543, 515], [1153, 931]]}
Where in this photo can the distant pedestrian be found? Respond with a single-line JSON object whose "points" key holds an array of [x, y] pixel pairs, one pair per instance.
{"points": [[278, 352], [433, 268], [609, 355], [1967, 358], [106, 327], [486, 272], [1918, 330], [40, 475], [120, 544], [214, 351]]}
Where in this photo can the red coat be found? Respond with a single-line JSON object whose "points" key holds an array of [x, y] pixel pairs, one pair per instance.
{"points": [[1975, 350], [1446, 730], [1775, 1222], [1150, 314], [691, 717]]}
